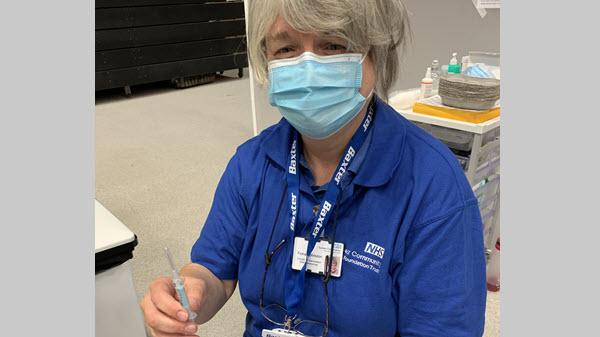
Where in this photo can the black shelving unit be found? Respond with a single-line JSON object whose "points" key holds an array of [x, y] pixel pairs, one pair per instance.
{"points": [[144, 41]]}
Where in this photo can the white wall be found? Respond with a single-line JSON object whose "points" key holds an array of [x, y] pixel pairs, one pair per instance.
{"points": [[439, 27]]}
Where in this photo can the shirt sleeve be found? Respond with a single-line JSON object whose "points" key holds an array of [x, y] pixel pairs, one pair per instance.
{"points": [[441, 282], [219, 246]]}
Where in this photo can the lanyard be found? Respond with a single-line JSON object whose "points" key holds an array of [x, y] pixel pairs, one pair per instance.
{"points": [[295, 279]]}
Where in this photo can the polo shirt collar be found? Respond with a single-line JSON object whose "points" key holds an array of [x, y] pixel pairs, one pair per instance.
{"points": [[381, 160]]}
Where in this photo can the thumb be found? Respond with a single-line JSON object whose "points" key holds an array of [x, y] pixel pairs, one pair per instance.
{"points": [[195, 290]]}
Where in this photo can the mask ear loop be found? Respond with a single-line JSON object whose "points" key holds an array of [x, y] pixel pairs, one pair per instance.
{"points": [[364, 57], [372, 90]]}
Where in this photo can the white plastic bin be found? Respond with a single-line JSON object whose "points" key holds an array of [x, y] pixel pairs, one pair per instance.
{"points": [[117, 311]]}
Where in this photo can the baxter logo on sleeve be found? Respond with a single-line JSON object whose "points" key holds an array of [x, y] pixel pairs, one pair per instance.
{"points": [[374, 249]]}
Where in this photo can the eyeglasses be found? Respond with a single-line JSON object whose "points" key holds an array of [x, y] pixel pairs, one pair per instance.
{"points": [[276, 313]]}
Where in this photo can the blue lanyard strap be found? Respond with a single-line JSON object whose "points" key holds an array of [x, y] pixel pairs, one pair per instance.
{"points": [[295, 279]]}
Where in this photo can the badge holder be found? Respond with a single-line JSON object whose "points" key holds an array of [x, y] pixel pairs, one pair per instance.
{"points": [[285, 332], [321, 258], [281, 333]]}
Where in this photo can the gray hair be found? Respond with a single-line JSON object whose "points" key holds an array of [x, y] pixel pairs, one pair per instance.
{"points": [[377, 27]]}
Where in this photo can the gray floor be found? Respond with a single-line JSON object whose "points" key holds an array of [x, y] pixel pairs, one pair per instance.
{"points": [[159, 156]]}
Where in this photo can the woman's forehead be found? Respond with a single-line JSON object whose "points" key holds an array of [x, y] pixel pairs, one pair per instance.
{"points": [[282, 30], [280, 25]]}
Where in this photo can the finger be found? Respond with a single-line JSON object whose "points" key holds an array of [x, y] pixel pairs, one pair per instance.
{"points": [[162, 323], [163, 298], [165, 283]]}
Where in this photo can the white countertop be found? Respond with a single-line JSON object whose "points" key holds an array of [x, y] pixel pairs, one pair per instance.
{"points": [[109, 232]]}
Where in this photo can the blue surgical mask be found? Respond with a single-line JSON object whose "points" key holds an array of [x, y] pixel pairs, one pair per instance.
{"points": [[317, 95]]}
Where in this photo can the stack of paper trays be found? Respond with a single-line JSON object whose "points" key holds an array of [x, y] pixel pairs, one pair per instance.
{"points": [[466, 92], [433, 106]]}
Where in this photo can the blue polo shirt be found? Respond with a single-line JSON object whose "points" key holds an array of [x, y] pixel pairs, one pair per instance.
{"points": [[413, 261]]}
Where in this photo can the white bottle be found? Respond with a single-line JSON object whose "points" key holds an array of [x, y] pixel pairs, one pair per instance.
{"points": [[435, 75], [427, 84], [465, 63]]}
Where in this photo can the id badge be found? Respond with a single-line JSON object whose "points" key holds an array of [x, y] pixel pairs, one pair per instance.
{"points": [[280, 333], [317, 262]]}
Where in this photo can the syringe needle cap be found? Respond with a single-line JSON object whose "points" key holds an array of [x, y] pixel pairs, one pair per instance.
{"points": [[170, 259]]}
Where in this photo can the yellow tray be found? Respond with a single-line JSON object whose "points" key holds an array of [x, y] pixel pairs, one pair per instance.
{"points": [[457, 114]]}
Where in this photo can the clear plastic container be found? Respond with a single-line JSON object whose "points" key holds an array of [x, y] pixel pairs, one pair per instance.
{"points": [[488, 58]]}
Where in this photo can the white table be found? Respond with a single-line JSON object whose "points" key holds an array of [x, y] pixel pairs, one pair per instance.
{"points": [[478, 128], [117, 311]]}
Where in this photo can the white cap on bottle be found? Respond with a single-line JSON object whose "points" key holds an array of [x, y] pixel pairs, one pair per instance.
{"points": [[453, 60]]}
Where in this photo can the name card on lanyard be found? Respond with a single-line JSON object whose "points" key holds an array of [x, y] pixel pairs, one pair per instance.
{"points": [[295, 279]]}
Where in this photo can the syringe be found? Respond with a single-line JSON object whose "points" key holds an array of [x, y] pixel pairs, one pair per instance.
{"points": [[178, 284]]}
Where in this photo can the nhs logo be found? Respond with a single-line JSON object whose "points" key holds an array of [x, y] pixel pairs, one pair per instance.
{"points": [[374, 249]]}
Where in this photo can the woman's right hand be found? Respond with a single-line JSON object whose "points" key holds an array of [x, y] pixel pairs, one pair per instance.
{"points": [[163, 313]]}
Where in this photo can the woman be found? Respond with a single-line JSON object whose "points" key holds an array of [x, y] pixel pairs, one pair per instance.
{"points": [[343, 175]]}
